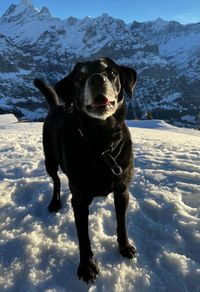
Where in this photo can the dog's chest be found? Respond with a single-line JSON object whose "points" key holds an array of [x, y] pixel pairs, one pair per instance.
{"points": [[82, 161]]}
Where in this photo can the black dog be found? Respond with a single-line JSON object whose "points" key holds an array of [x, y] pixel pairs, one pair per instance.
{"points": [[92, 145]]}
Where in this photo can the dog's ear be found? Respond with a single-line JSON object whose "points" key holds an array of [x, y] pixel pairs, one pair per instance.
{"points": [[128, 77], [65, 88]]}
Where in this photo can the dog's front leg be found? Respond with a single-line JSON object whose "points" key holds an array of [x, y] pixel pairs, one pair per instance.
{"points": [[121, 204], [88, 268]]}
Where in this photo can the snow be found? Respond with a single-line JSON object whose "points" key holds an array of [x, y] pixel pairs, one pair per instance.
{"points": [[184, 43], [183, 51], [22, 6], [172, 97], [158, 24], [188, 118], [39, 251], [7, 119], [25, 18]]}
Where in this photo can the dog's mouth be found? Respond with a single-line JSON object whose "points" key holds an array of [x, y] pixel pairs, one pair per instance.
{"points": [[100, 102], [101, 107]]}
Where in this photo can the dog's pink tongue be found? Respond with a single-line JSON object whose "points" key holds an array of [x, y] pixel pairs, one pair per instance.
{"points": [[101, 102]]}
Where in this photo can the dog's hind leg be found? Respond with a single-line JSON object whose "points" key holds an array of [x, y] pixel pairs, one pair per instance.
{"points": [[52, 169], [121, 200], [55, 203]]}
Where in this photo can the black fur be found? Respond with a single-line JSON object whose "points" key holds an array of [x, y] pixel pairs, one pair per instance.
{"points": [[75, 142], [50, 94]]}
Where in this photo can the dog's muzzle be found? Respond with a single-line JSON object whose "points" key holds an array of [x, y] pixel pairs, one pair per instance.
{"points": [[98, 80], [99, 96], [101, 101]]}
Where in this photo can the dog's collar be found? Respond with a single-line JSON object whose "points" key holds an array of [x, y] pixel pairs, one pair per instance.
{"points": [[110, 161]]}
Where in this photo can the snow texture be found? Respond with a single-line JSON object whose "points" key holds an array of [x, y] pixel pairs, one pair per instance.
{"points": [[39, 250], [7, 119]]}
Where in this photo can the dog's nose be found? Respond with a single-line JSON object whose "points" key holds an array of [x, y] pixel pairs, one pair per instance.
{"points": [[98, 80]]}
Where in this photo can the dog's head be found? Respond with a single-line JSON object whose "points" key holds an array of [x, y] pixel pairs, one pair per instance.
{"points": [[96, 88]]}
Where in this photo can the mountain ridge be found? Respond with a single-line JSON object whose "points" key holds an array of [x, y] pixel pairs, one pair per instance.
{"points": [[165, 54]]}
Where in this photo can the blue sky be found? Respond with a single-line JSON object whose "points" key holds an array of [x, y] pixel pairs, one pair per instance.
{"points": [[184, 11]]}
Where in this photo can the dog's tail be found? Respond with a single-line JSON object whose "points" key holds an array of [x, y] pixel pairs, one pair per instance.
{"points": [[47, 91]]}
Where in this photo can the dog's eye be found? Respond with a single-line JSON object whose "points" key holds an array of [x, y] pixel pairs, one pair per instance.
{"points": [[111, 73]]}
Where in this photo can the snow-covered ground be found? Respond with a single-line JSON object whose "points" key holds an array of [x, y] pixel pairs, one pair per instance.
{"points": [[39, 251]]}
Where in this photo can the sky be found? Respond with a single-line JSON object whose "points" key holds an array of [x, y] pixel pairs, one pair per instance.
{"points": [[184, 11]]}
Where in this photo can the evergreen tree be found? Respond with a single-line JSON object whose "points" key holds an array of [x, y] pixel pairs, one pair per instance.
{"points": [[198, 121], [149, 116]]}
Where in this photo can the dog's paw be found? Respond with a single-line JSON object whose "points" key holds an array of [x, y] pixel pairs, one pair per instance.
{"points": [[88, 271], [54, 206], [128, 251]]}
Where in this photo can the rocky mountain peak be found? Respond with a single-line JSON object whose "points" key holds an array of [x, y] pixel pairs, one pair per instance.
{"points": [[45, 11], [164, 53], [159, 22], [22, 10], [25, 3], [10, 10]]}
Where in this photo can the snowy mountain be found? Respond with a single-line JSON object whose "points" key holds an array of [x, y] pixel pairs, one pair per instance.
{"points": [[165, 54], [39, 250]]}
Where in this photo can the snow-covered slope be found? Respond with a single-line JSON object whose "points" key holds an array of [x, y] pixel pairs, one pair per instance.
{"points": [[39, 251], [180, 44], [7, 119], [165, 55]]}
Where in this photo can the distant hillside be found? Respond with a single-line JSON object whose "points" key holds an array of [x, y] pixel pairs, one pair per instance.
{"points": [[165, 54]]}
